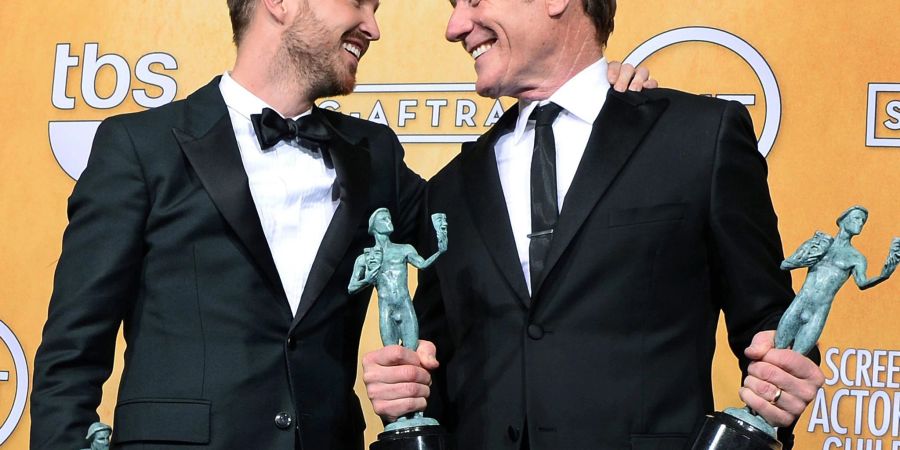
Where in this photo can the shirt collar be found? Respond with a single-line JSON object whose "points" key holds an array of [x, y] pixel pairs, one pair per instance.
{"points": [[242, 101], [582, 97]]}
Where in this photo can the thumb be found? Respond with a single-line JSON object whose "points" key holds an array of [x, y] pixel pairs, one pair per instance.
{"points": [[761, 344], [427, 354]]}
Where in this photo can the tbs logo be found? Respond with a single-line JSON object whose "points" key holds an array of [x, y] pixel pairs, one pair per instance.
{"points": [[71, 140], [883, 115]]}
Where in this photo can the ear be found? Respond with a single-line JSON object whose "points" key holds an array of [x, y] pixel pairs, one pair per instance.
{"points": [[276, 9], [556, 7]]}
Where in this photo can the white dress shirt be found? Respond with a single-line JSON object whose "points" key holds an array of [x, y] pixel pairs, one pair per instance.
{"points": [[581, 98], [291, 187]]}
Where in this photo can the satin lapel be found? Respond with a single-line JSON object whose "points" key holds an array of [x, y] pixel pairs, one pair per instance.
{"points": [[210, 147], [484, 195], [352, 167], [618, 130]]}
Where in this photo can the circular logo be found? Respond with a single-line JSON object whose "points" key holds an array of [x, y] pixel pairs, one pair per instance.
{"points": [[20, 368], [749, 54]]}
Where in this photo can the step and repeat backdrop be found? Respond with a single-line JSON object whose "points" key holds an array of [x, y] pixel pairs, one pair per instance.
{"points": [[821, 80]]}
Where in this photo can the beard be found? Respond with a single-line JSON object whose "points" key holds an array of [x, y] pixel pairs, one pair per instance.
{"points": [[309, 55]]}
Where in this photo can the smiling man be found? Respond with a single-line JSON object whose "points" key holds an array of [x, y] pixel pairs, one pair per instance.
{"points": [[219, 231], [596, 236]]}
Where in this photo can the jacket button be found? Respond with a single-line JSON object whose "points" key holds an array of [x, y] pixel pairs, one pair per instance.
{"points": [[535, 331], [291, 343], [513, 433], [283, 420]]}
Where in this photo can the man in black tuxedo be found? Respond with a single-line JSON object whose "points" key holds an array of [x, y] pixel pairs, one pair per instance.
{"points": [[221, 236], [225, 254], [594, 237]]}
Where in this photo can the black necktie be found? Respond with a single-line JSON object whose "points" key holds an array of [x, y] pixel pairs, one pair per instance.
{"points": [[544, 210], [271, 128]]}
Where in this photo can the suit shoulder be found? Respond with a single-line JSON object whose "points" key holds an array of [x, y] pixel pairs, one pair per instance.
{"points": [[452, 170], [686, 101], [164, 116]]}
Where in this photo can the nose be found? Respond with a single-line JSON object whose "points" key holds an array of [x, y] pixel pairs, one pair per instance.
{"points": [[460, 23], [369, 27]]}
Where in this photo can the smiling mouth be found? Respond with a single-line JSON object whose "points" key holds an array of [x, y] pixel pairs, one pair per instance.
{"points": [[352, 49], [482, 49]]}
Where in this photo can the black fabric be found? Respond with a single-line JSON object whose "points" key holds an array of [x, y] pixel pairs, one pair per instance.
{"points": [[544, 205], [668, 223], [271, 128], [165, 242]]}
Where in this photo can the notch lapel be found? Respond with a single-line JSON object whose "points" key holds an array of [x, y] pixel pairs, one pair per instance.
{"points": [[618, 130], [209, 145], [352, 166], [484, 195]]}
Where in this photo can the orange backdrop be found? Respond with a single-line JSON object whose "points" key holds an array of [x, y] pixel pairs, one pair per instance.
{"points": [[821, 81]]}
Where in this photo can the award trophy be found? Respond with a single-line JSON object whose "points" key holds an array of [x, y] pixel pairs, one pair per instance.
{"points": [[384, 266], [830, 262]]}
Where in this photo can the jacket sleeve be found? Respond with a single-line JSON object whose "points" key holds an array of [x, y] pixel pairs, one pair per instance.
{"points": [[410, 194], [96, 281], [433, 326], [746, 246]]}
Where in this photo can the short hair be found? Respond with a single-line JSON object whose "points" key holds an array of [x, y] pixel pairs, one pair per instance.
{"points": [[603, 13], [850, 210], [241, 11], [372, 218]]}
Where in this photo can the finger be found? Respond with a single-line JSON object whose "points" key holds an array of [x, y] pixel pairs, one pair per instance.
{"points": [[640, 76], [800, 388], [392, 355], [779, 398], [797, 365], [397, 391], [392, 409], [651, 84], [375, 374], [625, 76], [774, 415], [762, 343], [427, 354], [612, 71]]}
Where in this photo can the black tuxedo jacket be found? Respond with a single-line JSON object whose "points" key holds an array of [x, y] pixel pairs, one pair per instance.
{"points": [[164, 239], [668, 222]]}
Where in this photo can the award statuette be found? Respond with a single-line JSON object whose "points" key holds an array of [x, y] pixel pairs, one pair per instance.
{"points": [[830, 261], [384, 266]]}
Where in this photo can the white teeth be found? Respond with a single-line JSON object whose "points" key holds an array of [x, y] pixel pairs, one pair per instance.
{"points": [[352, 49], [481, 50]]}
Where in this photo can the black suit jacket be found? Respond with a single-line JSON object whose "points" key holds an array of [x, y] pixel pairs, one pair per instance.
{"points": [[668, 222], [164, 239]]}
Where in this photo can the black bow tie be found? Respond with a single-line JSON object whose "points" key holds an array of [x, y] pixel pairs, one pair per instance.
{"points": [[271, 128]]}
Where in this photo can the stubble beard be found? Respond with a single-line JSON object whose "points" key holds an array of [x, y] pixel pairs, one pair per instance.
{"points": [[309, 57]]}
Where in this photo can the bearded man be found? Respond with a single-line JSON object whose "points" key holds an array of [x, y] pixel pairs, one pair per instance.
{"points": [[219, 231]]}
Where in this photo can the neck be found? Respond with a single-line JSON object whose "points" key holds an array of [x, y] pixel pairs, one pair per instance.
{"points": [[382, 239], [843, 237], [263, 70], [576, 49]]}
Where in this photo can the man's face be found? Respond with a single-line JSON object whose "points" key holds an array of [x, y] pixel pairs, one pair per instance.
{"points": [[383, 224], [854, 222], [101, 440], [326, 41], [511, 42]]}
